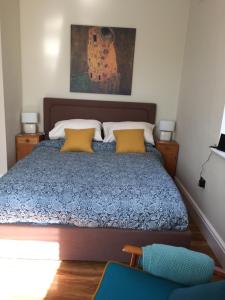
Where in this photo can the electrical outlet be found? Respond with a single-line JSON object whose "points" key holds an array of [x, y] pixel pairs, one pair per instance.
{"points": [[202, 182]]}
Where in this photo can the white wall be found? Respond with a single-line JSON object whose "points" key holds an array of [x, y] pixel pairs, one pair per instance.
{"points": [[200, 111], [3, 155], [161, 28], [11, 64]]}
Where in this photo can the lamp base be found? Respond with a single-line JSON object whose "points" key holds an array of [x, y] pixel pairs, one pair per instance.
{"points": [[29, 128], [165, 135]]}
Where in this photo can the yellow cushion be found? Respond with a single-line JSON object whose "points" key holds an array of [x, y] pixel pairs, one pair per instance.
{"points": [[129, 140], [78, 140]]}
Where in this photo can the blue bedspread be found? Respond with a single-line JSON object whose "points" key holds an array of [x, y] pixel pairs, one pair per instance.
{"points": [[103, 189]]}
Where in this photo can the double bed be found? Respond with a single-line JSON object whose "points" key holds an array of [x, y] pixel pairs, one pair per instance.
{"points": [[92, 204]]}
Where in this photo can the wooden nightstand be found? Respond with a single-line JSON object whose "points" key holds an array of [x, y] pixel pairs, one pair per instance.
{"points": [[25, 144], [169, 151]]}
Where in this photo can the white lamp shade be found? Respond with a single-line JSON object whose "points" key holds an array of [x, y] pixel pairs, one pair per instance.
{"points": [[167, 125], [29, 118]]}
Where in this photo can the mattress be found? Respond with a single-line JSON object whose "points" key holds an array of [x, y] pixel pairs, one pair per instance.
{"points": [[103, 189]]}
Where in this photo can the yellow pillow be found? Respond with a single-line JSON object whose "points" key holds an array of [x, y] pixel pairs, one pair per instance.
{"points": [[129, 140], [78, 140]]}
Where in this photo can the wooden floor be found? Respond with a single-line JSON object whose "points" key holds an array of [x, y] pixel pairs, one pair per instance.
{"points": [[39, 280]]}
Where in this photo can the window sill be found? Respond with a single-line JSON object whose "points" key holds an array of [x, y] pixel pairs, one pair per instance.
{"points": [[218, 152]]}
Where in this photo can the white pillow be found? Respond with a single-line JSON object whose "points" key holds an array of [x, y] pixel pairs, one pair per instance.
{"points": [[108, 128], [58, 131]]}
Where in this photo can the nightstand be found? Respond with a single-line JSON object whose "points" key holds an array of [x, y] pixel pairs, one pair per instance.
{"points": [[169, 151], [25, 144]]}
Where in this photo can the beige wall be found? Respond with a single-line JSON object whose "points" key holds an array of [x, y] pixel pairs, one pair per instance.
{"points": [[3, 155], [11, 61], [202, 100], [45, 42]]}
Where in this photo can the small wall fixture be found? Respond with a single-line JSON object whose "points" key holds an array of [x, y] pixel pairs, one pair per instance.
{"points": [[166, 130], [29, 121]]}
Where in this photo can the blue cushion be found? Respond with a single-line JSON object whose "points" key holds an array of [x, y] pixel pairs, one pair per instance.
{"points": [[120, 282], [209, 291], [178, 264]]}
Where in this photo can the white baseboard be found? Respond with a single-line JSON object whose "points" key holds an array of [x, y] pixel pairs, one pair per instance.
{"points": [[1, 175], [214, 240]]}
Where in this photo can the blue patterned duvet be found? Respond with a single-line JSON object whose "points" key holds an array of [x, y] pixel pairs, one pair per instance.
{"points": [[102, 189]]}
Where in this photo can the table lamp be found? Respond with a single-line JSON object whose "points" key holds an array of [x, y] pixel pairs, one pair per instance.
{"points": [[29, 121], [221, 145], [166, 130]]}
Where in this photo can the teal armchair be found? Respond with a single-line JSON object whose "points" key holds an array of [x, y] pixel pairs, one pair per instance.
{"points": [[123, 282]]}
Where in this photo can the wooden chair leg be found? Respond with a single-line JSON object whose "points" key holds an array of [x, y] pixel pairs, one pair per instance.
{"points": [[133, 261]]}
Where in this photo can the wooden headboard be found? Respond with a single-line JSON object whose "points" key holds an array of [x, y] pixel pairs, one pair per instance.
{"points": [[57, 109]]}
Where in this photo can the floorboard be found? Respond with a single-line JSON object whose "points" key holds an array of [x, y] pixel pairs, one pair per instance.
{"points": [[48, 280]]}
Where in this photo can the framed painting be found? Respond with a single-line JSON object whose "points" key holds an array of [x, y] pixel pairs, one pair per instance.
{"points": [[102, 59]]}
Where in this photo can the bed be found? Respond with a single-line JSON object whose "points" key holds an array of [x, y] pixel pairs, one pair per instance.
{"points": [[92, 205]]}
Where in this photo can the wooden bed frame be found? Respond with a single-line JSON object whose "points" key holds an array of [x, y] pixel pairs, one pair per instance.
{"points": [[97, 244]]}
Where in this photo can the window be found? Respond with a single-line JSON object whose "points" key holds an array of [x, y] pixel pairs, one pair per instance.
{"points": [[223, 123], [222, 131]]}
